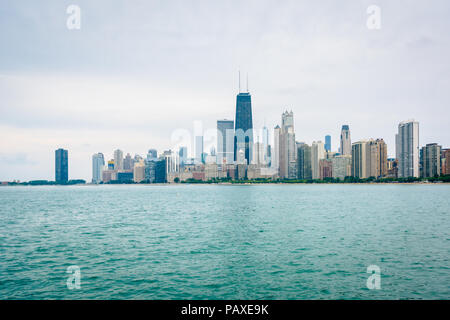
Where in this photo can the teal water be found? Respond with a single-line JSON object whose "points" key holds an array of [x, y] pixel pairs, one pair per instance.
{"points": [[225, 242]]}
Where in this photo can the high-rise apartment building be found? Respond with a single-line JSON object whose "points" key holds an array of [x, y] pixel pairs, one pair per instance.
{"points": [[346, 141], [225, 141], [342, 166], [407, 149], [98, 164], [128, 162], [317, 154], [275, 157], [61, 166], [361, 159], [430, 160], [304, 161], [445, 162], [118, 160]]}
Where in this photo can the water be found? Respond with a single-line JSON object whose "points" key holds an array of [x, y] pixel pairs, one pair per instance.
{"points": [[225, 242]]}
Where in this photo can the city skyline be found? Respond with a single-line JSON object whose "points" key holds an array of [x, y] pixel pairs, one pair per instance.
{"points": [[83, 93]]}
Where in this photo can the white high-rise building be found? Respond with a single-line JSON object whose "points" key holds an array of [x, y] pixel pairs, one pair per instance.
{"points": [[407, 149], [288, 148], [118, 160], [98, 164], [346, 141], [258, 153], [317, 153], [275, 160]]}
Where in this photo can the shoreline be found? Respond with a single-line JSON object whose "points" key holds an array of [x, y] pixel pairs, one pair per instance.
{"points": [[230, 184]]}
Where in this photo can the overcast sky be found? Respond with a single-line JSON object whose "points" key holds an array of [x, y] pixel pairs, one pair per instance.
{"points": [[138, 71]]}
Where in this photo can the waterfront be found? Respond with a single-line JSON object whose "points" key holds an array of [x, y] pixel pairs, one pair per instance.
{"points": [[225, 242]]}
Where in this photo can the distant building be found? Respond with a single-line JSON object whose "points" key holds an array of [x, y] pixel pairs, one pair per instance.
{"points": [[128, 162], [124, 176], [304, 161], [139, 171], [182, 153], [445, 162], [325, 168], [430, 160], [360, 159], [288, 149], [225, 141], [258, 153], [199, 149], [317, 154], [346, 141], [118, 160], [275, 158], [98, 164], [327, 143], [150, 170], [108, 176], [160, 171], [243, 128], [61, 166], [392, 168], [111, 164], [342, 166], [407, 149], [378, 158], [152, 154]]}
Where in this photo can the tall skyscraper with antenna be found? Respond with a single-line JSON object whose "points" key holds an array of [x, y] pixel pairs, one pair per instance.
{"points": [[243, 130]]}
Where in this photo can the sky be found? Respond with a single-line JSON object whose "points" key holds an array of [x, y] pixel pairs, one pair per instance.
{"points": [[138, 74]]}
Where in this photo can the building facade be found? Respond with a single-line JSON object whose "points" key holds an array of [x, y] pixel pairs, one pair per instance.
{"points": [[407, 149], [346, 141], [98, 165], [317, 154], [430, 160], [61, 166], [243, 135]]}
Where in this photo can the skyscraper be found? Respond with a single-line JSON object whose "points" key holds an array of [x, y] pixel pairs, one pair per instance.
{"points": [[199, 149], [327, 143], [346, 141], [152, 154], [225, 139], [265, 141], [182, 153], [98, 164], [275, 157], [430, 160], [445, 162], [360, 159], [288, 150], [317, 154], [407, 149], [128, 162], [118, 160], [243, 135], [61, 166], [304, 161]]}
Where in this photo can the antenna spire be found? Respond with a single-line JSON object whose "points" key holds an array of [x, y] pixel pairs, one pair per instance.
{"points": [[239, 81], [247, 82]]}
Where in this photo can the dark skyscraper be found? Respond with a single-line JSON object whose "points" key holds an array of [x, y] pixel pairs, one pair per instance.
{"points": [[328, 143], [243, 138], [61, 166]]}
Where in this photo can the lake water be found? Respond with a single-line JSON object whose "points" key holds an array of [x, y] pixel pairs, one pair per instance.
{"points": [[225, 241]]}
